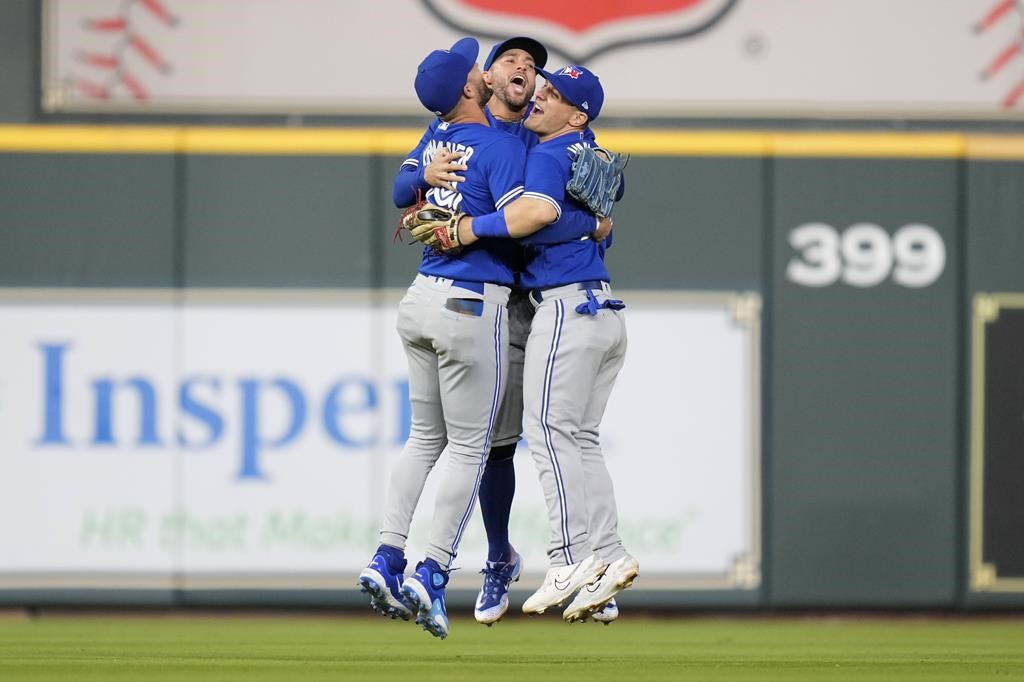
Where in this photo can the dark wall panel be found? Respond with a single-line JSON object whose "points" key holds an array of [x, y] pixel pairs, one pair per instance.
{"points": [[86, 220], [690, 223], [995, 264], [995, 226], [863, 400], [19, 62], [277, 221]]}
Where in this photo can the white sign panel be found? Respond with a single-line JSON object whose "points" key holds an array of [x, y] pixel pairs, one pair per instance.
{"points": [[233, 444], [938, 58]]}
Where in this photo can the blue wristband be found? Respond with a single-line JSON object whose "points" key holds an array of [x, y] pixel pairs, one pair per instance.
{"points": [[491, 225]]}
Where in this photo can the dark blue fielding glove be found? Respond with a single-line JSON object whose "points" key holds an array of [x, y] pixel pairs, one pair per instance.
{"points": [[595, 178]]}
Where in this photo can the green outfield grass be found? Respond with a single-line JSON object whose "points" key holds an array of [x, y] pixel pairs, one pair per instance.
{"points": [[346, 647]]}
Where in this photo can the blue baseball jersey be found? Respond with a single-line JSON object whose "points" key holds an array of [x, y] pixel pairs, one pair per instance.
{"points": [[548, 168], [409, 182], [576, 226], [409, 185], [528, 137], [494, 177]]}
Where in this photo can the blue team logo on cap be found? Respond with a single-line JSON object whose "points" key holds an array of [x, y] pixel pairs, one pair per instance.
{"points": [[579, 86]]}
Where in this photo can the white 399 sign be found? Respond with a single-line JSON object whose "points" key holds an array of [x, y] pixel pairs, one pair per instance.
{"points": [[865, 255]]}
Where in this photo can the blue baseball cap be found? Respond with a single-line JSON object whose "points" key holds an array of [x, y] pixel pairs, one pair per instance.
{"points": [[579, 86], [529, 45], [442, 75]]}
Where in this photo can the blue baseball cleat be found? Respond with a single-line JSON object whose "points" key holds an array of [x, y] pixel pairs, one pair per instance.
{"points": [[423, 594], [382, 580], [492, 602], [606, 615]]}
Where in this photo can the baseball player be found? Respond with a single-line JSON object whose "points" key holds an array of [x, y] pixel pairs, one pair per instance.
{"points": [[454, 328], [510, 71], [575, 350]]}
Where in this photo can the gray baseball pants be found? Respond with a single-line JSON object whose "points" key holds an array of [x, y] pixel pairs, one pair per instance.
{"points": [[571, 363], [510, 419], [456, 343]]}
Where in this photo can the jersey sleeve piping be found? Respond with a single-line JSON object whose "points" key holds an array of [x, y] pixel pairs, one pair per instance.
{"points": [[508, 196], [545, 197]]}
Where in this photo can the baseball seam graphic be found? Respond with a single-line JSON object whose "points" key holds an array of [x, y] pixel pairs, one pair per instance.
{"points": [[1002, 11], [128, 39]]}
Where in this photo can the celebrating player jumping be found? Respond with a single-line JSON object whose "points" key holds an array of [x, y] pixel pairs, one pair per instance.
{"points": [[454, 329], [575, 350]]}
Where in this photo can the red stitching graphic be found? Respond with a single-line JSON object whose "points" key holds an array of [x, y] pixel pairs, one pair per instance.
{"points": [[1001, 11], [128, 40]]}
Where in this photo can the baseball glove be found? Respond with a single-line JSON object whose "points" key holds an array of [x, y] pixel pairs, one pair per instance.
{"points": [[596, 176], [433, 226]]}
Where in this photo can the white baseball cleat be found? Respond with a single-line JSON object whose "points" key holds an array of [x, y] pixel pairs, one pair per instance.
{"points": [[593, 596], [560, 583]]}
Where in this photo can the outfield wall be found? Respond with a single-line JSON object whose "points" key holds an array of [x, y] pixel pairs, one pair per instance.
{"points": [[815, 293]]}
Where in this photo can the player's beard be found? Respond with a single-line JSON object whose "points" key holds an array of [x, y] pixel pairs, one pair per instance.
{"points": [[483, 93]]}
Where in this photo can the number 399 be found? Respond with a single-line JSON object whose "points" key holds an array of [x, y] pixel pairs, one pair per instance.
{"points": [[864, 255]]}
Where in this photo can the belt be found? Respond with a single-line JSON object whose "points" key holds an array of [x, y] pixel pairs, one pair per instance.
{"points": [[476, 287], [593, 284]]}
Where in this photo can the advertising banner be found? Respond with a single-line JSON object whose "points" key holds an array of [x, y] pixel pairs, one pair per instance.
{"points": [[221, 444]]}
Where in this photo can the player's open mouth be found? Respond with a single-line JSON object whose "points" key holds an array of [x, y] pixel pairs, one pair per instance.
{"points": [[519, 80]]}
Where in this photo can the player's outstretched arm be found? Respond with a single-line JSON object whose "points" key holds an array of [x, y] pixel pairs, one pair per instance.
{"points": [[574, 224], [521, 218], [409, 182], [571, 226], [407, 186]]}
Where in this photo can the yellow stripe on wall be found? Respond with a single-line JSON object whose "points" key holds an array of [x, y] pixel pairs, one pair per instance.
{"points": [[900, 145], [300, 141], [110, 139], [206, 140], [91, 139], [995, 147], [686, 142]]}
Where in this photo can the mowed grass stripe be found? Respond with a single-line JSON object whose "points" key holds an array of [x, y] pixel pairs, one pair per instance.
{"points": [[358, 648]]}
